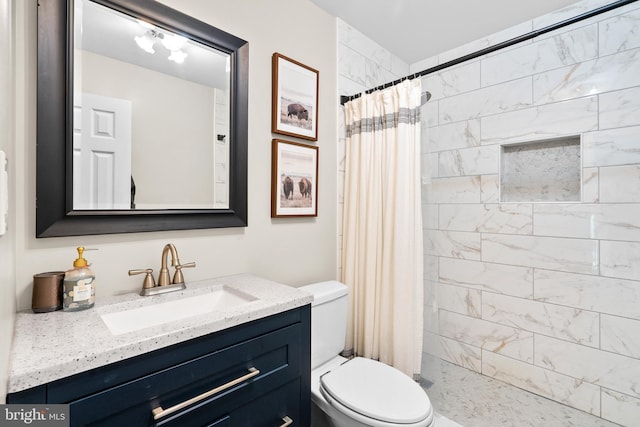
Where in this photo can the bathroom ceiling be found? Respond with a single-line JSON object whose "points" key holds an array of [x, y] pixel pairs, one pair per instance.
{"points": [[418, 29]]}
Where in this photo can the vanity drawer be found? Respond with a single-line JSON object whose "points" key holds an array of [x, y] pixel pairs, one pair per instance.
{"points": [[276, 355], [279, 407]]}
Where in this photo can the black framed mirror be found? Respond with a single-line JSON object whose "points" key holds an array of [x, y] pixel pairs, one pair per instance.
{"points": [[59, 211]]}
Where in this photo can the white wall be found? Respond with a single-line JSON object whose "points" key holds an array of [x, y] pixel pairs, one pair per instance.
{"points": [[7, 269], [292, 251], [544, 296]]}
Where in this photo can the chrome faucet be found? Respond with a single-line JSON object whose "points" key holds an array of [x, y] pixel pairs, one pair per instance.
{"points": [[164, 284]]}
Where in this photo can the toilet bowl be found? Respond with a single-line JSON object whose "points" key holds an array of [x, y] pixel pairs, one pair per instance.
{"points": [[358, 391]]}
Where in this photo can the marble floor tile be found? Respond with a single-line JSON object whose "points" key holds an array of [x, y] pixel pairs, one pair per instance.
{"points": [[442, 421], [474, 400]]}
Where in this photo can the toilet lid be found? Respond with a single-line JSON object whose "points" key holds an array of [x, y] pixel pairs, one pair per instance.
{"points": [[377, 391]]}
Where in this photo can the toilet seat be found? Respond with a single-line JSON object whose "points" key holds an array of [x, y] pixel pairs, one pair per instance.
{"points": [[376, 394]]}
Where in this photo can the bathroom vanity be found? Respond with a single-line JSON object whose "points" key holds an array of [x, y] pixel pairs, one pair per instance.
{"points": [[246, 361]]}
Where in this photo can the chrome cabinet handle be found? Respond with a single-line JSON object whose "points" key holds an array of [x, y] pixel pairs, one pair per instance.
{"points": [[159, 412], [287, 422]]}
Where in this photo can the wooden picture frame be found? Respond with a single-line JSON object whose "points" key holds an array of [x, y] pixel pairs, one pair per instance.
{"points": [[294, 98], [294, 179]]}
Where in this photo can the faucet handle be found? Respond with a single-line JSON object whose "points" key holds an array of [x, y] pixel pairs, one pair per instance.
{"points": [[178, 278], [149, 281]]}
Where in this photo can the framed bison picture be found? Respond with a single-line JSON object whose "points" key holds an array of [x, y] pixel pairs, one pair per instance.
{"points": [[294, 179], [294, 99]]}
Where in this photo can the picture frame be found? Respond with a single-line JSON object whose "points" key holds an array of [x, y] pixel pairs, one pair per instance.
{"points": [[294, 179], [294, 98]]}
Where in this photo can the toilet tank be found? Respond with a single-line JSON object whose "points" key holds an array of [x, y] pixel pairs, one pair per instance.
{"points": [[328, 320]]}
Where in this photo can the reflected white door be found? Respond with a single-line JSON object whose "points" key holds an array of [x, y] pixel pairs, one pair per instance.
{"points": [[102, 153]]}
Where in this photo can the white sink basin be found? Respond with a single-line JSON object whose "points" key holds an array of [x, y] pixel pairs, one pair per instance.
{"points": [[134, 319]]}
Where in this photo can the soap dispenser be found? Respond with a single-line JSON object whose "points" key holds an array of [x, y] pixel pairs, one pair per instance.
{"points": [[78, 286]]}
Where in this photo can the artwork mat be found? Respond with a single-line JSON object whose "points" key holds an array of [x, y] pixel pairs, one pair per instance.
{"points": [[295, 160], [294, 83]]}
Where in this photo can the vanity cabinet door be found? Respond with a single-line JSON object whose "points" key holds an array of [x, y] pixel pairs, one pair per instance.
{"points": [[277, 356]]}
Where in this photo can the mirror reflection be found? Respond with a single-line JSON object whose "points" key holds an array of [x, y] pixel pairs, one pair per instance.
{"points": [[151, 116]]}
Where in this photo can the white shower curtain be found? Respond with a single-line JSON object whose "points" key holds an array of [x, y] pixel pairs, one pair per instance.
{"points": [[382, 251]]}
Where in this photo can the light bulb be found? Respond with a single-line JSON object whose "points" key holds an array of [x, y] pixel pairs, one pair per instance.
{"points": [[173, 41], [177, 56], [145, 42]]}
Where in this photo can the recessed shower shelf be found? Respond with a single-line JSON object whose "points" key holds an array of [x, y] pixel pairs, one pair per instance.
{"points": [[541, 171]]}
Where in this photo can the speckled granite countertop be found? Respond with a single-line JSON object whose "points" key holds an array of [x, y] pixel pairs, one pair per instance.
{"points": [[50, 346]]}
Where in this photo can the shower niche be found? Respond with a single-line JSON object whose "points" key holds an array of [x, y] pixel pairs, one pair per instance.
{"points": [[541, 171]]}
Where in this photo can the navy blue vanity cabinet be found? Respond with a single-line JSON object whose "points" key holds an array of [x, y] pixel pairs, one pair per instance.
{"points": [[255, 374]]}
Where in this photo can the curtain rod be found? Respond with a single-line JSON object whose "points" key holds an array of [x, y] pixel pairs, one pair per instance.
{"points": [[501, 45]]}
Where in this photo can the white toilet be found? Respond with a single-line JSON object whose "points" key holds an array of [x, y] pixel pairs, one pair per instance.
{"points": [[356, 392]]}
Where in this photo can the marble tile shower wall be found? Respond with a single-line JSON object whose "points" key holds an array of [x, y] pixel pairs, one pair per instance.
{"points": [[544, 296], [363, 64]]}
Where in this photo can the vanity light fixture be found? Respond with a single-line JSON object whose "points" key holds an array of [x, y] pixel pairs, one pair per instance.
{"points": [[172, 42], [147, 40]]}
